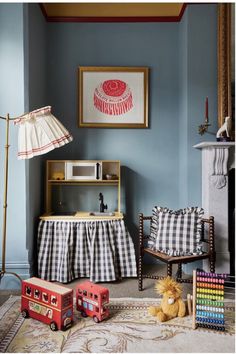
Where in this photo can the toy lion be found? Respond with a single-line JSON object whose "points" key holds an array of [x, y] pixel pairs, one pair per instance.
{"points": [[172, 304]]}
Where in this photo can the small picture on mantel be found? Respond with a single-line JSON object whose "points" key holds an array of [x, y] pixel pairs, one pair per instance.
{"points": [[113, 97]]}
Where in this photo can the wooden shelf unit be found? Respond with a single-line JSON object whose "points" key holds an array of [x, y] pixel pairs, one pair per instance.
{"points": [[56, 175]]}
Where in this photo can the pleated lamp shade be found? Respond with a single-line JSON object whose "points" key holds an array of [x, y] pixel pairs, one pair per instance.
{"points": [[39, 133]]}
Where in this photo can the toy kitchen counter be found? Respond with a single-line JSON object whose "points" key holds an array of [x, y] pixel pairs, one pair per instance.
{"points": [[98, 247], [82, 215], [80, 244]]}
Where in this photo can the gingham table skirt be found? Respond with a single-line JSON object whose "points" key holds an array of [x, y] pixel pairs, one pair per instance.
{"points": [[100, 250]]}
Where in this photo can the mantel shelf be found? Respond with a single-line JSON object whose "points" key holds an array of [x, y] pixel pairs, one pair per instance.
{"points": [[214, 144]]}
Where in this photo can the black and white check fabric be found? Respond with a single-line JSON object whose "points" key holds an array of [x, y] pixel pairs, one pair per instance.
{"points": [[176, 233], [101, 250]]}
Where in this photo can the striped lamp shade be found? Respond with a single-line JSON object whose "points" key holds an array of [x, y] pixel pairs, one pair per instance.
{"points": [[39, 133]]}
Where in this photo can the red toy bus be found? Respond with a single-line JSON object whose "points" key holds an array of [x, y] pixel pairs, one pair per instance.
{"points": [[91, 300], [47, 302]]}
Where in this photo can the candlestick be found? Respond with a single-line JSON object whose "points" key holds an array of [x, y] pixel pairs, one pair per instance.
{"points": [[203, 128], [206, 110]]}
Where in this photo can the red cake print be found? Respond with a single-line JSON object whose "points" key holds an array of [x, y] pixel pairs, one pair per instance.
{"points": [[113, 97]]}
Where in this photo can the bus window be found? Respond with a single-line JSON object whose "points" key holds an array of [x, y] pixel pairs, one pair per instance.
{"points": [[90, 307], [49, 313], [53, 300], [66, 300], [80, 291], [85, 293], [104, 296], [45, 297], [95, 297], [91, 294], [85, 304], [36, 294], [28, 290]]}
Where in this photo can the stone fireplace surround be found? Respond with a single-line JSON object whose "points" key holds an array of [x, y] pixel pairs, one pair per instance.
{"points": [[217, 160]]}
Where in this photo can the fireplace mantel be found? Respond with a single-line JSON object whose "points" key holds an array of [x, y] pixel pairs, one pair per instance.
{"points": [[214, 144], [217, 160]]}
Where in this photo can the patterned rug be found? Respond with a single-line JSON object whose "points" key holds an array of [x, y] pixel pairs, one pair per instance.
{"points": [[129, 329]]}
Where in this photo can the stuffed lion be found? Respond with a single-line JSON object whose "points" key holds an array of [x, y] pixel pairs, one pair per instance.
{"points": [[172, 304]]}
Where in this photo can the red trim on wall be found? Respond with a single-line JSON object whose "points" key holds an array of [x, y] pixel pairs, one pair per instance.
{"points": [[43, 11], [114, 19], [182, 11]]}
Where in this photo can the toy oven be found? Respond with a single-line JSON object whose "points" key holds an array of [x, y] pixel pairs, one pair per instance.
{"points": [[83, 170]]}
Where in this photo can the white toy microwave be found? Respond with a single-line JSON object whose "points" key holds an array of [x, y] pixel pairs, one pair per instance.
{"points": [[83, 170]]}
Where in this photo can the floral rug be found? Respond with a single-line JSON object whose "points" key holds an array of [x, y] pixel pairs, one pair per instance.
{"points": [[129, 329]]}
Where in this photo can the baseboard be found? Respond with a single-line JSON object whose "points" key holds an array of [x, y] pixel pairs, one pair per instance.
{"points": [[9, 281]]}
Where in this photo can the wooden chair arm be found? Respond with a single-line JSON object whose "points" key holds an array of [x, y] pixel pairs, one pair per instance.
{"points": [[211, 233], [142, 236]]}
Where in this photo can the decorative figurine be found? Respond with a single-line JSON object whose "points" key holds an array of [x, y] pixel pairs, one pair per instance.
{"points": [[224, 130]]}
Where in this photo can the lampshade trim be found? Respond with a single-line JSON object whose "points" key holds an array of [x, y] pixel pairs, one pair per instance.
{"points": [[46, 148]]}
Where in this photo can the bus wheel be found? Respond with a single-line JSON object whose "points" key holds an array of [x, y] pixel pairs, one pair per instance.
{"points": [[53, 326], [83, 314], [25, 313], [96, 320]]}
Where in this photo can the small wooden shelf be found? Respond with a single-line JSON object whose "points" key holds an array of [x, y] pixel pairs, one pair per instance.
{"points": [[62, 173], [71, 181]]}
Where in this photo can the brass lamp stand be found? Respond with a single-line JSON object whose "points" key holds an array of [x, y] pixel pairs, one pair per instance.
{"points": [[58, 137], [7, 119]]}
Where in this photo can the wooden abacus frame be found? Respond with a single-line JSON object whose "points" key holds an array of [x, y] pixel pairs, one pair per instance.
{"points": [[208, 300]]}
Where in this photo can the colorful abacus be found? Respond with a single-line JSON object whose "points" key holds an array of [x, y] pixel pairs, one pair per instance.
{"points": [[208, 300]]}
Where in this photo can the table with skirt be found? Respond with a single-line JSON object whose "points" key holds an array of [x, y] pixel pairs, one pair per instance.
{"points": [[101, 250]]}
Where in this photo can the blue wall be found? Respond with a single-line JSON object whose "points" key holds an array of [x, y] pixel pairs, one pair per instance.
{"points": [[149, 157], [35, 87], [198, 79], [159, 164], [12, 96]]}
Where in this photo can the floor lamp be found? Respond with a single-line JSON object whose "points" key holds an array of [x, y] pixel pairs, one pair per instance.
{"points": [[39, 133]]}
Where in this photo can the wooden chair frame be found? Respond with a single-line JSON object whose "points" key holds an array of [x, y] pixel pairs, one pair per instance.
{"points": [[170, 260]]}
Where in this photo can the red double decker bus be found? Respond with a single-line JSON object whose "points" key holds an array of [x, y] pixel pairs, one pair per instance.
{"points": [[91, 300], [47, 302]]}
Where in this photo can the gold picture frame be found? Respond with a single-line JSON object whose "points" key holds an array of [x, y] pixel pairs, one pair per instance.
{"points": [[113, 97], [224, 62]]}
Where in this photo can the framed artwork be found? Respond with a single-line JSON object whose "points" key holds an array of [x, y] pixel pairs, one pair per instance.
{"points": [[113, 97]]}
